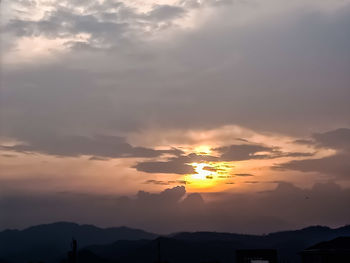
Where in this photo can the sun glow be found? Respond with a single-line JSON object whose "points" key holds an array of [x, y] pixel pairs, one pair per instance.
{"points": [[208, 175], [203, 149], [202, 171]]}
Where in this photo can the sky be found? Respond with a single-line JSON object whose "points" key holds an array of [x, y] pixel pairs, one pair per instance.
{"points": [[175, 115]]}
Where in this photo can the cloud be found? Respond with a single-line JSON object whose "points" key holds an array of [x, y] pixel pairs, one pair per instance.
{"points": [[165, 12], [304, 141], [151, 181], [133, 80], [252, 182], [169, 182], [169, 195], [8, 155], [173, 210], [296, 154], [193, 200], [337, 139], [64, 23], [181, 164], [244, 175], [99, 146], [105, 24], [175, 165], [97, 158], [172, 167], [205, 3], [225, 176], [243, 152], [210, 169], [335, 165], [250, 151]]}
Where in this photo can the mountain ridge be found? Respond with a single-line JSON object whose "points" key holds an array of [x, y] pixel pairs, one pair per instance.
{"points": [[43, 242], [50, 243]]}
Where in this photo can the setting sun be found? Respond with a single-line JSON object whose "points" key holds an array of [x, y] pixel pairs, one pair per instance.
{"points": [[203, 171], [208, 175], [203, 178]]}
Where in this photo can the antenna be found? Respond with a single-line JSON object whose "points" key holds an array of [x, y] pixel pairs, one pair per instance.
{"points": [[72, 255], [159, 250]]}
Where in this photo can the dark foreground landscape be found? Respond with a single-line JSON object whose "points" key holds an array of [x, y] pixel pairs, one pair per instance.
{"points": [[51, 243]]}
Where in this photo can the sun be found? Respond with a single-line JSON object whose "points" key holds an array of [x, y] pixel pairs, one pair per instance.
{"points": [[202, 171], [209, 175], [205, 176]]}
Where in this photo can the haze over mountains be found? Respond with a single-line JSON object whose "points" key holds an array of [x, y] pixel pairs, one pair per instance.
{"points": [[50, 243]]}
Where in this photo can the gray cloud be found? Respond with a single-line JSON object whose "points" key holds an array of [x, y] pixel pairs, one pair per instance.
{"points": [[210, 169], [304, 141], [158, 182], [173, 210], [242, 70], [64, 23], [98, 146], [8, 155], [335, 165], [97, 158], [169, 195], [172, 167], [110, 23], [244, 152], [175, 165], [244, 175], [337, 139], [165, 12], [181, 163], [205, 3], [169, 182], [252, 182], [297, 154]]}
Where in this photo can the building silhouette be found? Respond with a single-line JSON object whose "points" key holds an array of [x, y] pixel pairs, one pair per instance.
{"points": [[333, 251], [256, 255]]}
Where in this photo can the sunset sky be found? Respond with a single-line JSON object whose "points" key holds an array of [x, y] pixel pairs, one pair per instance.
{"points": [[172, 115]]}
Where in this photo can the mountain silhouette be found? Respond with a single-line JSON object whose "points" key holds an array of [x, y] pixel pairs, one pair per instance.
{"points": [[216, 247], [50, 243]]}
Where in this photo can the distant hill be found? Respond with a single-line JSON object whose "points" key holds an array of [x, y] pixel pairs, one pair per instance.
{"points": [[215, 247], [49, 243], [339, 243]]}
